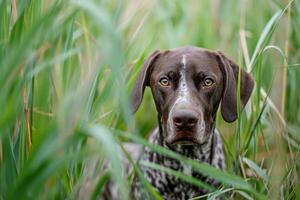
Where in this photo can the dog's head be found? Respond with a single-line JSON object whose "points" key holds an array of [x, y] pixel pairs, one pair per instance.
{"points": [[188, 84]]}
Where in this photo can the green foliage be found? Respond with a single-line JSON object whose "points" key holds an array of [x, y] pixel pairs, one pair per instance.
{"points": [[66, 69]]}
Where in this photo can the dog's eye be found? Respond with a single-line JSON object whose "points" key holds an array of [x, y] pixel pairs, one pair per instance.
{"points": [[164, 81], [208, 82]]}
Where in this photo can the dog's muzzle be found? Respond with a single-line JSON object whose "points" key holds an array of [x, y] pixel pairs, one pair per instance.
{"points": [[185, 127]]}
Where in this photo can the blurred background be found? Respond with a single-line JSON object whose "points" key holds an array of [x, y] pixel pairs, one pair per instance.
{"points": [[67, 67]]}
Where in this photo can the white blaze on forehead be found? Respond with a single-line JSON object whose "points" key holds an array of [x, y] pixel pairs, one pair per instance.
{"points": [[183, 88], [183, 61], [183, 92]]}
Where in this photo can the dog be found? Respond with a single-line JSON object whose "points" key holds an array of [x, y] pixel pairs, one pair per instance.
{"points": [[188, 84]]}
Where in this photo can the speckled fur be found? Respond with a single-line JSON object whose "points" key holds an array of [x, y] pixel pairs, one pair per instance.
{"points": [[170, 187]]}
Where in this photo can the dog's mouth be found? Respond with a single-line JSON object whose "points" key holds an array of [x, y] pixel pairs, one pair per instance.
{"points": [[185, 141], [184, 138]]}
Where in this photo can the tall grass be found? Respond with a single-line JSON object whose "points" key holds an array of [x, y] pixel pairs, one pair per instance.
{"points": [[66, 69]]}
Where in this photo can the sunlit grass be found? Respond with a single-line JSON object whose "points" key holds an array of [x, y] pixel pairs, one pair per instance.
{"points": [[66, 69]]}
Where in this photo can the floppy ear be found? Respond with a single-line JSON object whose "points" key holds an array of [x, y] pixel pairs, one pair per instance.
{"points": [[229, 103], [142, 81]]}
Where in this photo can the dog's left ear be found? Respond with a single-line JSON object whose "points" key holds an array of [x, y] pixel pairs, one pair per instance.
{"points": [[231, 72], [142, 81]]}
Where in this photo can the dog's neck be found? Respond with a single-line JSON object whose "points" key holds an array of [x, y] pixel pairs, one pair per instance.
{"points": [[203, 152]]}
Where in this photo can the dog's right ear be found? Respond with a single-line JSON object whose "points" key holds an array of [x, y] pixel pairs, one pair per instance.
{"points": [[142, 80]]}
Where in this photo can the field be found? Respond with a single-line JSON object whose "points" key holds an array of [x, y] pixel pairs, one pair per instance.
{"points": [[67, 69]]}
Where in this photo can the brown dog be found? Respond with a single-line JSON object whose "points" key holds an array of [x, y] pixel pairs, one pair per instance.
{"points": [[188, 84]]}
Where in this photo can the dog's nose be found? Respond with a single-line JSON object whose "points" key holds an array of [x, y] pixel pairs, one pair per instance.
{"points": [[185, 119]]}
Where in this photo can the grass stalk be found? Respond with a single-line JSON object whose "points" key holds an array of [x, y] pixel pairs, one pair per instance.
{"points": [[285, 65]]}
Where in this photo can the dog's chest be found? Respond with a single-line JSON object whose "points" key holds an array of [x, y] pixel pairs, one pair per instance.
{"points": [[171, 187]]}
